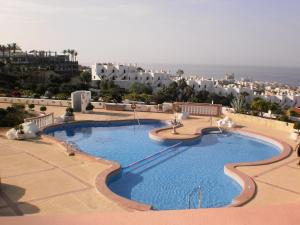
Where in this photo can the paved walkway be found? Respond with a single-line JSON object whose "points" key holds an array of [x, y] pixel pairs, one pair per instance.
{"points": [[39, 178]]}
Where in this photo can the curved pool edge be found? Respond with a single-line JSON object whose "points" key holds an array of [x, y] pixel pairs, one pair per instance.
{"points": [[154, 135], [245, 181], [103, 177]]}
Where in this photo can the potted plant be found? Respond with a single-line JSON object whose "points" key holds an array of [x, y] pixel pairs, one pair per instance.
{"points": [[89, 108], [20, 132], [31, 107], [69, 114], [43, 109]]}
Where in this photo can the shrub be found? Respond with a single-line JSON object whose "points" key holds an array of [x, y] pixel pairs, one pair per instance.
{"points": [[297, 126], [35, 95], [284, 118], [95, 98], [16, 94], [43, 108], [31, 106], [69, 111], [61, 96], [19, 128], [89, 106], [12, 116], [293, 113], [19, 106]]}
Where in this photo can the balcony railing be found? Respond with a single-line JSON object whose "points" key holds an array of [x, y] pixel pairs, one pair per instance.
{"points": [[42, 121]]}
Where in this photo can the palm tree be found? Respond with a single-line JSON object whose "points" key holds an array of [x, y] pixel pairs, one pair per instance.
{"points": [[9, 48], [238, 104], [72, 52], [69, 53], [15, 47], [3, 49], [75, 54]]}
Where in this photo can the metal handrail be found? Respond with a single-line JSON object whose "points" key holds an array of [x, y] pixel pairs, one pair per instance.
{"points": [[152, 155], [198, 191], [135, 117]]}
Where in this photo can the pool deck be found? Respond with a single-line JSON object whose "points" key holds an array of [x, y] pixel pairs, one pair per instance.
{"points": [[38, 178]]}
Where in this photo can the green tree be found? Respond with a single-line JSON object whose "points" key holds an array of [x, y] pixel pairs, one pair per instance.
{"points": [[110, 92], [238, 104], [3, 49], [259, 105], [275, 108], [85, 77], [139, 88], [180, 72]]}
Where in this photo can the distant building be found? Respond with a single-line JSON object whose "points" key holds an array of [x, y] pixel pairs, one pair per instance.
{"points": [[125, 75], [43, 60], [229, 77]]}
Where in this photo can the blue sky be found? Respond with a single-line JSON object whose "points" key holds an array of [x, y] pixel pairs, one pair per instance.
{"points": [[265, 32]]}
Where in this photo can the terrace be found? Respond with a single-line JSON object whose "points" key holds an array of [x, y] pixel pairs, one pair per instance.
{"points": [[38, 178]]}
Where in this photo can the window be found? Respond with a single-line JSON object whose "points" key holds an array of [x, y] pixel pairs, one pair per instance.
{"points": [[158, 78], [159, 85], [147, 78], [113, 71], [135, 78], [102, 70], [113, 77], [124, 71]]}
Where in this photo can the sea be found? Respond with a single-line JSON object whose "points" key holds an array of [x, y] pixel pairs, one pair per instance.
{"points": [[282, 75]]}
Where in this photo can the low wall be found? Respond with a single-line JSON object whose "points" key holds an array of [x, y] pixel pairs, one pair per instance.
{"points": [[50, 102], [47, 102], [268, 123], [127, 107]]}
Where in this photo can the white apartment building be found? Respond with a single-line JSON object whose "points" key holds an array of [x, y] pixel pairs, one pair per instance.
{"points": [[125, 75]]}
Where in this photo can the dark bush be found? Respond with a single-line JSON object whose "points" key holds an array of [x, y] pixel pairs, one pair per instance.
{"points": [[69, 111], [89, 107]]}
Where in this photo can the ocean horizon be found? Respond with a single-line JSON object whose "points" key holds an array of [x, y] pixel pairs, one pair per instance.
{"points": [[283, 75]]}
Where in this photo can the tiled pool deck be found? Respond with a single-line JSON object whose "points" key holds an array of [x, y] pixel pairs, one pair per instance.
{"points": [[38, 178]]}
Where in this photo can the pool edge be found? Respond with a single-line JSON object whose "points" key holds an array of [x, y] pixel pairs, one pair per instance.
{"points": [[247, 182]]}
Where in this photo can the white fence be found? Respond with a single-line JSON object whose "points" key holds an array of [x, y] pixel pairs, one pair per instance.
{"points": [[199, 109], [42, 121]]}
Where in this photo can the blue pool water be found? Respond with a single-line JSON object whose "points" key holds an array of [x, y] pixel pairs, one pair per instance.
{"points": [[167, 180]]}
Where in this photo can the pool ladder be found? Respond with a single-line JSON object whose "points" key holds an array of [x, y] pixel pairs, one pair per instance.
{"points": [[197, 191], [135, 117]]}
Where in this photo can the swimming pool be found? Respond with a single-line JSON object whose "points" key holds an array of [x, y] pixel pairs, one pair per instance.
{"points": [[174, 178]]}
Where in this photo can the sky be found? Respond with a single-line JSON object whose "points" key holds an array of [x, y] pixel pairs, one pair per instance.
{"points": [[228, 32]]}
